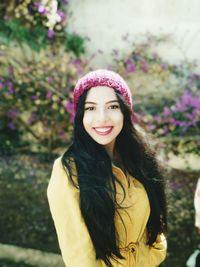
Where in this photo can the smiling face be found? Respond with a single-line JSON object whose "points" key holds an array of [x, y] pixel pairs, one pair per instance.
{"points": [[103, 119]]}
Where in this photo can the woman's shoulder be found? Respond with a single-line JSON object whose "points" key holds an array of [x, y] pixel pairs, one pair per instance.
{"points": [[58, 175], [60, 182], [58, 164], [61, 171], [57, 161]]}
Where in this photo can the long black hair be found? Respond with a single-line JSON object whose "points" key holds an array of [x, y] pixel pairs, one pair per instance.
{"points": [[96, 181]]}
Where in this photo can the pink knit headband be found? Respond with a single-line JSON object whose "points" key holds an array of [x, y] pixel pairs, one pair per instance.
{"points": [[102, 77]]}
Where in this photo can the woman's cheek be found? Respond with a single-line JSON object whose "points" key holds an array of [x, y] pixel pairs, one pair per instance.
{"points": [[88, 118]]}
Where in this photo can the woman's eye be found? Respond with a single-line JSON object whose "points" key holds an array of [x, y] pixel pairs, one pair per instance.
{"points": [[114, 106], [89, 108]]}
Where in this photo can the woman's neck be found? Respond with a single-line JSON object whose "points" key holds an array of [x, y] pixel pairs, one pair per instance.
{"points": [[110, 148]]}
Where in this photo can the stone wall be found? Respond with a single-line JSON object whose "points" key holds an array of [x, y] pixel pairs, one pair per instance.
{"points": [[107, 22]]}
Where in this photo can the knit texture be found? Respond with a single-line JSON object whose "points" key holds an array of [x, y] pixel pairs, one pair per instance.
{"points": [[102, 77]]}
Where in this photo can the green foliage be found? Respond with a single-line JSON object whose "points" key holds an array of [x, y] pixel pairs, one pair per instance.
{"points": [[14, 31], [8, 263], [182, 236], [10, 140], [27, 221], [74, 42], [37, 37]]}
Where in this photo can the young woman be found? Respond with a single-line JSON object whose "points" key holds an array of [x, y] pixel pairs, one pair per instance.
{"points": [[106, 193]]}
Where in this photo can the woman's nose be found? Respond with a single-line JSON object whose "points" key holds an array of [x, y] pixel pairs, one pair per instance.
{"points": [[102, 115]]}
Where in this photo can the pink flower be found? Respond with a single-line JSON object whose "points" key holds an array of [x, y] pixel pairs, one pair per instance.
{"points": [[50, 79], [166, 112], [69, 106], [45, 128], [78, 65], [41, 9], [33, 117], [65, 2], [198, 143], [151, 126], [164, 66], [130, 66], [61, 15], [11, 125], [61, 134], [50, 34], [144, 66], [13, 113], [10, 87], [49, 95]]}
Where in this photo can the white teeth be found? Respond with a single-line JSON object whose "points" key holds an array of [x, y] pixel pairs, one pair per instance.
{"points": [[103, 130]]}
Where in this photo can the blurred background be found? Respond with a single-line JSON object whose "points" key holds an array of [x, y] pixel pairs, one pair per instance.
{"points": [[45, 46]]}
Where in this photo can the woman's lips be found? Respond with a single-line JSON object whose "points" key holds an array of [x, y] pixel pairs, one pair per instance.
{"points": [[103, 130]]}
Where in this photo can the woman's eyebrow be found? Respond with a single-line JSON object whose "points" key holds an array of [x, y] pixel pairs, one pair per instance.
{"points": [[111, 101]]}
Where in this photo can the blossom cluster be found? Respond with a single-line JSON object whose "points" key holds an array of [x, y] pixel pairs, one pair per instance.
{"points": [[35, 98], [180, 118], [48, 13], [166, 96]]}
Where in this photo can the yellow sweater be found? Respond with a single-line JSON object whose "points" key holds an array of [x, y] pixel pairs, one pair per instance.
{"points": [[74, 240]]}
